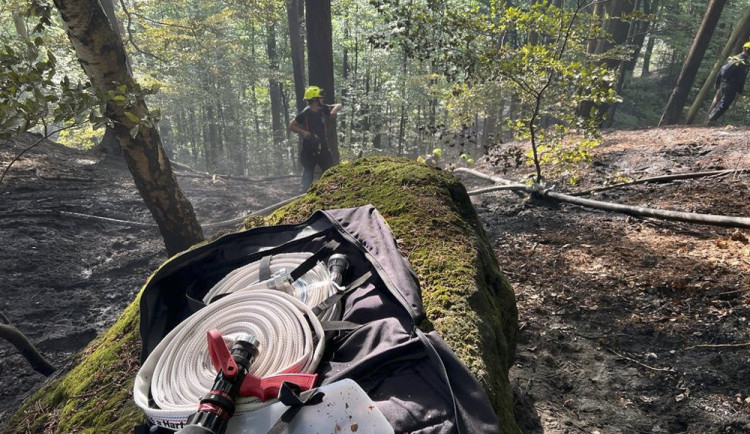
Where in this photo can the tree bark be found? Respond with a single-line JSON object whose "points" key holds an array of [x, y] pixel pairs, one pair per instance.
{"points": [[20, 26], [625, 66], [109, 144], [673, 110], [102, 56], [639, 29], [598, 13], [618, 28], [274, 88], [296, 46], [738, 37], [320, 58]]}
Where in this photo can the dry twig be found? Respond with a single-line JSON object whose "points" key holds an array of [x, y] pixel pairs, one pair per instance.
{"points": [[630, 359], [744, 344]]}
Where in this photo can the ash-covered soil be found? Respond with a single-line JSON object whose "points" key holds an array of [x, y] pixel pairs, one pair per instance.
{"points": [[67, 274], [628, 324]]}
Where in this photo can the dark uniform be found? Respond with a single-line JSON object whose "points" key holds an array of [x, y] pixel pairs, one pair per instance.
{"points": [[730, 82], [315, 149]]}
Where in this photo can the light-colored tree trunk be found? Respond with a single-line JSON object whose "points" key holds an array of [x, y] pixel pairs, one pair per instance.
{"points": [[20, 26], [102, 56], [274, 88]]}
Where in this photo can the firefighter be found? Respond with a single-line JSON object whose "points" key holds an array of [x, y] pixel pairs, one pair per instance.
{"points": [[312, 125], [730, 82]]}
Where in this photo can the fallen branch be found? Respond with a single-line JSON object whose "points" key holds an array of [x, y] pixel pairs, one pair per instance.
{"points": [[632, 360], [494, 179], [27, 349], [198, 174], [260, 212], [661, 179], [33, 213], [689, 217], [512, 187], [107, 219], [745, 344], [506, 184], [18, 157]]}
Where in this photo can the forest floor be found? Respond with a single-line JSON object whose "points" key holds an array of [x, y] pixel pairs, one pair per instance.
{"points": [[628, 325]]}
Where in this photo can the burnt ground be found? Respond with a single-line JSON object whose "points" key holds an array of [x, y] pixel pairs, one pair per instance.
{"points": [[628, 325]]}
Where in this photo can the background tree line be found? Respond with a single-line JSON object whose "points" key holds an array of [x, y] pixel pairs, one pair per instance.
{"points": [[413, 74]]}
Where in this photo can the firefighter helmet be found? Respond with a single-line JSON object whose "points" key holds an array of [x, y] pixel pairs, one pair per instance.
{"points": [[313, 92]]}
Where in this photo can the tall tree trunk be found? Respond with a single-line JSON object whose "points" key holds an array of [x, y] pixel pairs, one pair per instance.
{"points": [[212, 143], [296, 47], [645, 67], [598, 14], [320, 58], [109, 144], [618, 28], [274, 88], [20, 25], [625, 66], [639, 29], [739, 35], [194, 137], [673, 110], [102, 56], [656, 7], [402, 118]]}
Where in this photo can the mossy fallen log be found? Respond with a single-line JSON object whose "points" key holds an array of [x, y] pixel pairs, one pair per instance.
{"points": [[466, 297]]}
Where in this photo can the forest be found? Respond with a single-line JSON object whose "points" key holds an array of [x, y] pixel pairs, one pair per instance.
{"points": [[625, 324], [225, 78]]}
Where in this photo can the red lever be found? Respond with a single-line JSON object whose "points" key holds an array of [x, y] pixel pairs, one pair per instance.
{"points": [[221, 358], [268, 387]]}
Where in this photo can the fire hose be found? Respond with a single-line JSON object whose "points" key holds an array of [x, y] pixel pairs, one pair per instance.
{"points": [[290, 342], [312, 288]]}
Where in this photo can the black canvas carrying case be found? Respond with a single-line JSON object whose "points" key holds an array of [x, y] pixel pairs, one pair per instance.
{"points": [[416, 381]]}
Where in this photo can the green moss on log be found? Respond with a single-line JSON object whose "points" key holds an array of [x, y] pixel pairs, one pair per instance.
{"points": [[466, 297]]}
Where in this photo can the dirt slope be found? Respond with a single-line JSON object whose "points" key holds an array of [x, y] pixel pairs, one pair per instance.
{"points": [[616, 310]]}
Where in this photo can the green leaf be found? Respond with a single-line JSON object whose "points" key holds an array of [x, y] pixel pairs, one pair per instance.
{"points": [[132, 117], [134, 131]]}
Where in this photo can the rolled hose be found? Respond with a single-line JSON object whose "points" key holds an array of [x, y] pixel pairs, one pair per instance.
{"points": [[179, 370], [312, 288]]}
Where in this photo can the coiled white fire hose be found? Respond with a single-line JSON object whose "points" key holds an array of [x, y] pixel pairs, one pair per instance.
{"points": [[312, 288], [179, 369]]}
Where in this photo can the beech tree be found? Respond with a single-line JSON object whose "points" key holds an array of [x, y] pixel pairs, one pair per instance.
{"points": [[102, 56]]}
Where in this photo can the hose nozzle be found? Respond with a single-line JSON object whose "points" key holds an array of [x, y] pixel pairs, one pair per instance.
{"points": [[338, 264]]}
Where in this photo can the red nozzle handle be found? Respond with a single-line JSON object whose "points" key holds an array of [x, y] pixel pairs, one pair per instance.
{"points": [[268, 387], [221, 358]]}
